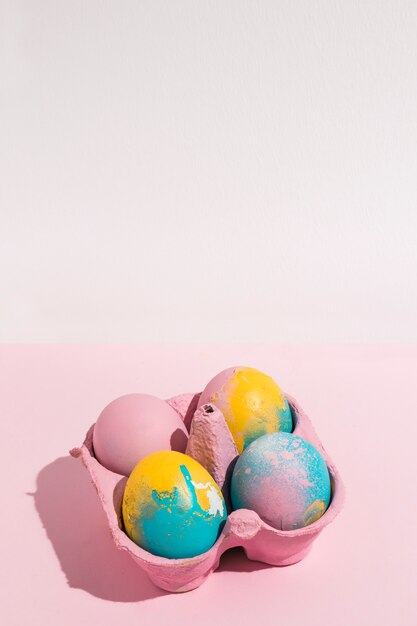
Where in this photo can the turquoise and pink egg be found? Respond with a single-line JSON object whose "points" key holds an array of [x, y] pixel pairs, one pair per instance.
{"points": [[284, 479]]}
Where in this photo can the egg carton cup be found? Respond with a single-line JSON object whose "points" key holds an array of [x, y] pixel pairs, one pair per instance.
{"points": [[210, 442]]}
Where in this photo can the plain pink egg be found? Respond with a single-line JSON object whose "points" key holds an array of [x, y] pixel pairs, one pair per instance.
{"points": [[133, 426]]}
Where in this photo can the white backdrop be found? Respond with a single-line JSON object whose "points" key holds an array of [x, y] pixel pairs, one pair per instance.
{"points": [[208, 170]]}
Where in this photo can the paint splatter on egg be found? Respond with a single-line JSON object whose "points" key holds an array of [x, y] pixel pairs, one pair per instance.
{"points": [[172, 507], [284, 479], [251, 402]]}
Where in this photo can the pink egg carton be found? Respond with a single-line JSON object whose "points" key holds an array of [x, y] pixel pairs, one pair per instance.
{"points": [[211, 443]]}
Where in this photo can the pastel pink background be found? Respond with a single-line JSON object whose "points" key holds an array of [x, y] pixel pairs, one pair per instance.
{"points": [[58, 563]]}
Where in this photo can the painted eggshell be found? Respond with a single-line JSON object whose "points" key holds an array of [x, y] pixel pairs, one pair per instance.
{"points": [[133, 426], [172, 507], [284, 479], [251, 402]]}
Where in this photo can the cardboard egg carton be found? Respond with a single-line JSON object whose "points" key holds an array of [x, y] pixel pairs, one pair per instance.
{"points": [[211, 444]]}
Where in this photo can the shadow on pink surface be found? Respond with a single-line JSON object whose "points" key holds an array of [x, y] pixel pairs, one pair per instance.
{"points": [[76, 526], [235, 560]]}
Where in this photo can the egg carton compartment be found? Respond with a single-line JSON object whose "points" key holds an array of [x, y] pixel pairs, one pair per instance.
{"points": [[211, 444]]}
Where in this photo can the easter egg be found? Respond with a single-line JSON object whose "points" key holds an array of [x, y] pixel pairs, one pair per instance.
{"points": [[133, 426], [251, 402], [284, 479], [172, 507]]}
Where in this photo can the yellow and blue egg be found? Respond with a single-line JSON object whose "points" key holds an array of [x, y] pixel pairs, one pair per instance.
{"points": [[251, 402], [172, 507]]}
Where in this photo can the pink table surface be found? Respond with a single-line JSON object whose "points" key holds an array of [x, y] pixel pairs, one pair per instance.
{"points": [[58, 563]]}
